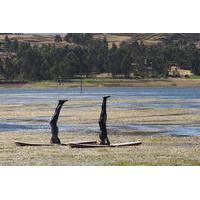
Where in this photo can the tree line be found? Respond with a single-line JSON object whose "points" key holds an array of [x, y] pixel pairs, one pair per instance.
{"points": [[83, 55]]}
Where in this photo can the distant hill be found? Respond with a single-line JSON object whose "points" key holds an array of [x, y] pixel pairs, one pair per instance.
{"points": [[150, 38], [30, 62], [117, 38]]}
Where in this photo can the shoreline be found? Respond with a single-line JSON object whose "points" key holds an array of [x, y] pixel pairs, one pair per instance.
{"points": [[171, 82], [156, 149]]}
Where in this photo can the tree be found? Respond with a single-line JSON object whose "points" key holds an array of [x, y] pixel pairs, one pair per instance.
{"points": [[88, 55], [9, 68], [58, 38], [7, 38], [67, 38], [126, 66], [14, 45], [1, 67], [7, 43], [113, 60]]}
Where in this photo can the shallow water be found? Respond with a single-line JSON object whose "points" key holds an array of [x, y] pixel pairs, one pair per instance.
{"points": [[123, 98]]}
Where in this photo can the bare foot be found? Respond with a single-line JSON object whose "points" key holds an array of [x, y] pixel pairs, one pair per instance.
{"points": [[106, 97], [62, 101]]}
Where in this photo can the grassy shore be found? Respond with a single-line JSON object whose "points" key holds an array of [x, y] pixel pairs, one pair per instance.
{"points": [[107, 82], [155, 150]]}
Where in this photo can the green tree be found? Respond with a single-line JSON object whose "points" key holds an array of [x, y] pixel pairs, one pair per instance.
{"points": [[9, 69], [58, 38]]}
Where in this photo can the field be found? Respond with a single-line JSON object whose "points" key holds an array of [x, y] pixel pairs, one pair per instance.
{"points": [[39, 39], [157, 149]]}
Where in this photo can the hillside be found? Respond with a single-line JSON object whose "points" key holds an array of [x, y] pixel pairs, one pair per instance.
{"points": [[117, 38], [33, 61]]}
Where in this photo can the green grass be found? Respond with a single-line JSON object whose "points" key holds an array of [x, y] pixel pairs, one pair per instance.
{"points": [[194, 77], [43, 84], [110, 82]]}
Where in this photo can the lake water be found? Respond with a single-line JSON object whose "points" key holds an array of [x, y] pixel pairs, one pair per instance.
{"points": [[159, 98]]}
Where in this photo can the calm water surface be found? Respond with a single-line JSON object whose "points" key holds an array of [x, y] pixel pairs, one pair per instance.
{"points": [[162, 98]]}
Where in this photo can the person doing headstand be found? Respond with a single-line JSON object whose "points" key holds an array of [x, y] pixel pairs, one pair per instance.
{"points": [[102, 124], [53, 123]]}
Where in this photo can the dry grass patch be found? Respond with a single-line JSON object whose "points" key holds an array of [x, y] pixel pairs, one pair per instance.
{"points": [[155, 150]]}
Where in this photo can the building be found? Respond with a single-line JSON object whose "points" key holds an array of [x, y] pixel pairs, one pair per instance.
{"points": [[175, 71]]}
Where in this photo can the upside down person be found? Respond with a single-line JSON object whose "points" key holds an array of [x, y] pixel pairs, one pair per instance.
{"points": [[53, 123], [102, 124]]}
